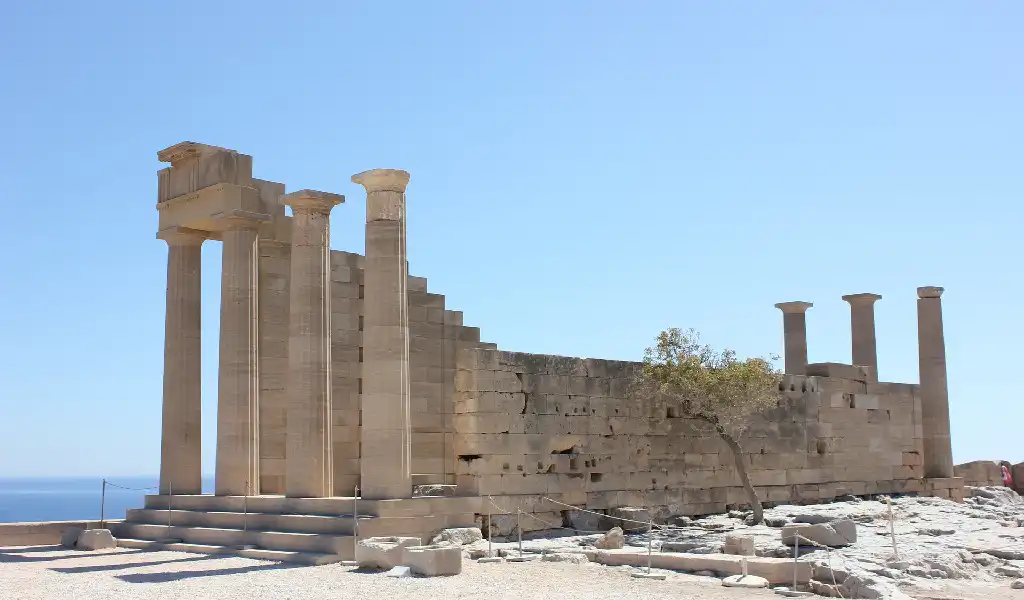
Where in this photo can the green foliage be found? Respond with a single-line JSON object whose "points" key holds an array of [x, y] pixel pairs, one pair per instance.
{"points": [[709, 385]]}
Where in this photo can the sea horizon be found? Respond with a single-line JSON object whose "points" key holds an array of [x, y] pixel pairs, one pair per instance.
{"points": [[75, 497]]}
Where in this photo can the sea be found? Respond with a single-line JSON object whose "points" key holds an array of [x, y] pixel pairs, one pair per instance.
{"points": [[75, 498]]}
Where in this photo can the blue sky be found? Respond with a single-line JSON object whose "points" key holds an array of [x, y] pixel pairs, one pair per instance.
{"points": [[584, 174]]}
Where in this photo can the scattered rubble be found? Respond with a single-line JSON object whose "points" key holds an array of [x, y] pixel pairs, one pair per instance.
{"points": [[612, 540], [936, 541], [457, 536]]}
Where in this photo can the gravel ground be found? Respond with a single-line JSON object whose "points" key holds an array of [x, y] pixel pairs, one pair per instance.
{"points": [[51, 574]]}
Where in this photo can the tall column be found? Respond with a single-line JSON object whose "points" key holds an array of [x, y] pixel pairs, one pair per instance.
{"points": [[862, 329], [794, 329], [309, 472], [238, 390], [181, 439], [931, 347], [385, 470]]}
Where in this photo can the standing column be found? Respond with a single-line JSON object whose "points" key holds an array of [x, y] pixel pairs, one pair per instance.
{"points": [[385, 470], [309, 471], [238, 390], [931, 347], [862, 329], [181, 439], [794, 329]]}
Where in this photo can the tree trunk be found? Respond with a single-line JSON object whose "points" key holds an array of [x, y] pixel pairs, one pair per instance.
{"points": [[737, 453]]}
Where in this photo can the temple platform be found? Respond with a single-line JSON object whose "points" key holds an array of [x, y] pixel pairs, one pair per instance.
{"points": [[302, 530]]}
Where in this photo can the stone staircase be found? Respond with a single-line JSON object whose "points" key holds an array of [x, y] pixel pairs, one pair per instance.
{"points": [[301, 530]]}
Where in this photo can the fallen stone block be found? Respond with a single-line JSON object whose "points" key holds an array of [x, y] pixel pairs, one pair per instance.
{"points": [[745, 581], [612, 540], [457, 536], [576, 558], [96, 539], [399, 572], [383, 552], [739, 545], [1017, 584], [433, 561], [835, 534], [693, 547], [585, 521], [629, 519], [777, 571], [69, 537]]}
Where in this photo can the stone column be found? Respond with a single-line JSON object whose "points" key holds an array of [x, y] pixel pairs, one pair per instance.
{"points": [[862, 329], [238, 391], [385, 470], [181, 439], [931, 347], [309, 471], [794, 329]]}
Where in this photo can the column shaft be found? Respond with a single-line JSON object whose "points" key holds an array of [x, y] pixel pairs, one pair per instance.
{"points": [[862, 330], [181, 440], [385, 432], [237, 403], [938, 450], [309, 469], [794, 326], [794, 331]]}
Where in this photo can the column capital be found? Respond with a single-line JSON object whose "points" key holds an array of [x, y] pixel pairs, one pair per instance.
{"points": [[312, 200], [240, 219], [930, 291], [182, 236], [794, 307], [382, 180], [862, 298]]}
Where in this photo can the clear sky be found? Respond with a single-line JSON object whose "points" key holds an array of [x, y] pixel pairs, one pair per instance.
{"points": [[584, 174]]}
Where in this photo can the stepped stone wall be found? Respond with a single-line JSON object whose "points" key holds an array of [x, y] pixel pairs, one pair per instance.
{"points": [[435, 335], [530, 427]]}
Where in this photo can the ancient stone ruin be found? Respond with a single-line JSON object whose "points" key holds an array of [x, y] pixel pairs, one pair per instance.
{"points": [[342, 376]]}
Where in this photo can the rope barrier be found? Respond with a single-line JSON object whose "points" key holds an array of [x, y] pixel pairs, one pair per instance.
{"points": [[799, 539], [134, 489]]}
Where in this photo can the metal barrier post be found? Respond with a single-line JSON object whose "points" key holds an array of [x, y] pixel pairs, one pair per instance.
{"points": [[103, 503], [519, 529]]}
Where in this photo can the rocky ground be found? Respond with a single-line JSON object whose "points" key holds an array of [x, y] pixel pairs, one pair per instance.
{"points": [[943, 549]]}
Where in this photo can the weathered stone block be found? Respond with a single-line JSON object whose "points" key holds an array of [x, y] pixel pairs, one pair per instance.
{"points": [[69, 537], [96, 539], [835, 534], [433, 561], [383, 552]]}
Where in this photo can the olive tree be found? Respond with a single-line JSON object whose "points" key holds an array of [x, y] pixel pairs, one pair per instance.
{"points": [[711, 386]]}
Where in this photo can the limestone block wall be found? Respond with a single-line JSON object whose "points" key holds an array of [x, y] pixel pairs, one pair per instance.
{"points": [[980, 472], [435, 335], [533, 431]]}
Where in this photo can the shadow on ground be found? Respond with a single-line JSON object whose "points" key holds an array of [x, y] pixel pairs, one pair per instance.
{"points": [[128, 565], [179, 575], [17, 556]]}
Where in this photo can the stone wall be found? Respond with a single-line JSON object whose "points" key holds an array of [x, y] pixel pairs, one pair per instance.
{"points": [[533, 431], [980, 472], [435, 335], [45, 533]]}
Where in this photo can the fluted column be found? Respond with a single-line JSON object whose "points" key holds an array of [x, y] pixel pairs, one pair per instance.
{"points": [[794, 330], [181, 426], [238, 390], [862, 329], [308, 467], [931, 347], [385, 435]]}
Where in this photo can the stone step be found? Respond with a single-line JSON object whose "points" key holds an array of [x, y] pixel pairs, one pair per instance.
{"points": [[337, 525], [406, 507], [322, 543], [305, 558]]}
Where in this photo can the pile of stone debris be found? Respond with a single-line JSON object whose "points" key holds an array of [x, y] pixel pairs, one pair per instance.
{"points": [[880, 548]]}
